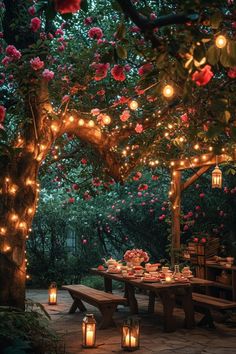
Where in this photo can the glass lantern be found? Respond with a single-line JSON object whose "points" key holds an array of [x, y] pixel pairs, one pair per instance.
{"points": [[89, 328], [52, 294], [216, 181], [130, 334]]}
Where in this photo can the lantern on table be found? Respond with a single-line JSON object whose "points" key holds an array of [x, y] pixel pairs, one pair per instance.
{"points": [[130, 334], [52, 294], [89, 328], [216, 180]]}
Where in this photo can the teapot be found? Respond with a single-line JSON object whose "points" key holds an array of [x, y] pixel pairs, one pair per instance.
{"points": [[110, 262]]}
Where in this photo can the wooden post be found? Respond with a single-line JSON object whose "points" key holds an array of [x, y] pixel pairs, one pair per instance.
{"points": [[175, 198]]}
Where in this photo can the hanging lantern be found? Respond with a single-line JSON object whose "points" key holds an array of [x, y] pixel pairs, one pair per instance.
{"points": [[133, 105], [216, 178], [168, 91], [221, 41], [52, 294], [89, 328], [130, 335]]}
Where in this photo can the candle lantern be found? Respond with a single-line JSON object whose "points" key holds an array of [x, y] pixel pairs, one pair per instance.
{"points": [[216, 180], [89, 328], [52, 294], [130, 334]]}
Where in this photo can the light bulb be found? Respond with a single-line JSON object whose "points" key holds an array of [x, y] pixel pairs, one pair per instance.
{"points": [[107, 120], [133, 105], [168, 91], [91, 123], [81, 122], [220, 41], [71, 119]]}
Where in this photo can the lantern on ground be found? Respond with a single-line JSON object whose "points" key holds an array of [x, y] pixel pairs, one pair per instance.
{"points": [[89, 331], [216, 177], [130, 334], [52, 294]]}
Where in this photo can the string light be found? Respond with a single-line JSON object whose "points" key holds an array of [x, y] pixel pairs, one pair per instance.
{"points": [[30, 211], [22, 225], [220, 41], [133, 105], [106, 120], [3, 230], [54, 127], [71, 119], [168, 91], [13, 189], [196, 146], [81, 122], [14, 217], [91, 123]]}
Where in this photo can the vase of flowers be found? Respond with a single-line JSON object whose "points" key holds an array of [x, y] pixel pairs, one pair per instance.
{"points": [[136, 257]]}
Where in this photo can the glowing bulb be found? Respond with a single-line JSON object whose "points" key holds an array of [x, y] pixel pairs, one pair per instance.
{"points": [[196, 147], [181, 163], [71, 119], [54, 127], [204, 157], [13, 189], [168, 91], [172, 163], [29, 182], [22, 225], [210, 148], [170, 126], [220, 41], [107, 120], [181, 139], [81, 122], [30, 211], [7, 179], [133, 105], [91, 123], [3, 230], [14, 217]]}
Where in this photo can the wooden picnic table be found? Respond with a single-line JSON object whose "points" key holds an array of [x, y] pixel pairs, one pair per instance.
{"points": [[167, 293]]}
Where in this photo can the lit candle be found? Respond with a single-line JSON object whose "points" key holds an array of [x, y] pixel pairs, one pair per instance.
{"points": [[168, 278], [90, 337], [52, 298], [130, 341]]}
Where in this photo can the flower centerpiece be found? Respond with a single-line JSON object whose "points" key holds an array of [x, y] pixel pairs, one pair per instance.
{"points": [[136, 256]]}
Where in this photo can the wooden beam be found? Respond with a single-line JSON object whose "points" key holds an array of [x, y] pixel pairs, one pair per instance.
{"points": [[175, 197], [193, 178], [200, 161]]}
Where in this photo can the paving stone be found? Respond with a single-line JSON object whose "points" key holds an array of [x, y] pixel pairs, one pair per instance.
{"points": [[222, 340]]}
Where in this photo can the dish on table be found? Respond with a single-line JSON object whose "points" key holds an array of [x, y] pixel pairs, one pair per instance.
{"points": [[151, 280]]}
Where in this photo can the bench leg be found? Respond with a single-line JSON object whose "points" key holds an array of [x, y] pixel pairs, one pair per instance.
{"points": [[207, 319], [107, 312], [77, 304], [168, 302], [151, 302]]}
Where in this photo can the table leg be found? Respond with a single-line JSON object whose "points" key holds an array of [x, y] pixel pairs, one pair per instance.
{"points": [[126, 295], [188, 307], [108, 285], [132, 299], [151, 302], [168, 302]]}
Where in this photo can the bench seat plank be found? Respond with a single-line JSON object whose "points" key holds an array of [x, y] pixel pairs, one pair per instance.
{"points": [[213, 302]]}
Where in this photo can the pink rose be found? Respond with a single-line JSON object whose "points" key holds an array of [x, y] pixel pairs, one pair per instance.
{"points": [[100, 70], [35, 24], [144, 69], [117, 73], [2, 113], [142, 187], [125, 115], [95, 111], [201, 195], [31, 10], [12, 52], [204, 76], [67, 6], [95, 33], [48, 75], [71, 200], [137, 176], [139, 128], [232, 73], [36, 63]]}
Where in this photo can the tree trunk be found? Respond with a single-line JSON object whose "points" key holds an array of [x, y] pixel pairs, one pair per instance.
{"points": [[18, 198]]}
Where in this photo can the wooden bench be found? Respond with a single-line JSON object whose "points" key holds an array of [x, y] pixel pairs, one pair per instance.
{"points": [[204, 304], [105, 302]]}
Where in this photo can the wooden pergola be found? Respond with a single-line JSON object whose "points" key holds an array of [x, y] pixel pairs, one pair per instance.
{"points": [[203, 163]]}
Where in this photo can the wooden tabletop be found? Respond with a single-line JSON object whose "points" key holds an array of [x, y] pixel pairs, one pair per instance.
{"points": [[150, 286]]}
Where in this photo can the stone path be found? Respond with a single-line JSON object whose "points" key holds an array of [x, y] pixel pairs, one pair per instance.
{"points": [[221, 340]]}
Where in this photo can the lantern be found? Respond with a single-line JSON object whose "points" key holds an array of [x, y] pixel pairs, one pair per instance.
{"points": [[52, 294], [216, 180], [89, 331], [130, 335]]}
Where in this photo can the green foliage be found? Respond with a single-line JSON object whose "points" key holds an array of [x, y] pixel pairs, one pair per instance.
{"points": [[27, 331]]}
